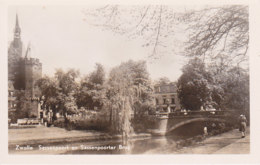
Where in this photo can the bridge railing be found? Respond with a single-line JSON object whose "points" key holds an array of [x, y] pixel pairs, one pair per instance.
{"points": [[162, 114], [194, 113]]}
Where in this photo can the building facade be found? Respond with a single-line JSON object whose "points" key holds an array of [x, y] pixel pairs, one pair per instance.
{"points": [[23, 72], [11, 97], [166, 97]]}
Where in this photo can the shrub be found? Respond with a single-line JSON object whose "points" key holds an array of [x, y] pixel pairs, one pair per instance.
{"points": [[87, 121], [60, 122], [88, 124]]}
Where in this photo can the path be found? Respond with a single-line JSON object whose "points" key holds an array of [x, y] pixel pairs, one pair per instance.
{"points": [[226, 143]]}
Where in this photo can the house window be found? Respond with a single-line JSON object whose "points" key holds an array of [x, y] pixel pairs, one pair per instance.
{"points": [[164, 100], [10, 94], [173, 101], [157, 101]]}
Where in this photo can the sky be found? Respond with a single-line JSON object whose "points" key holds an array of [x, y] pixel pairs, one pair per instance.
{"points": [[61, 38]]}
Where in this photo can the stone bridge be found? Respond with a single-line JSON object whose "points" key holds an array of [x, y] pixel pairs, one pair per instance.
{"points": [[168, 122]]}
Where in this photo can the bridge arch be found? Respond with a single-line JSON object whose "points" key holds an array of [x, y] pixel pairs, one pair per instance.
{"points": [[194, 120]]}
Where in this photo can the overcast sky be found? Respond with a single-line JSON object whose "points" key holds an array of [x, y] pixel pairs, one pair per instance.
{"points": [[61, 38]]}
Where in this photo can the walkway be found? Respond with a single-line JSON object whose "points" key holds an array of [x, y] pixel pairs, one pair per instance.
{"points": [[226, 143]]}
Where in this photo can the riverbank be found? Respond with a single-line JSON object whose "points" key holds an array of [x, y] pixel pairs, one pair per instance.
{"points": [[226, 143]]}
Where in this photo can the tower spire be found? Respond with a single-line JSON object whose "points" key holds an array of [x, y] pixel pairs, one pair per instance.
{"points": [[17, 21], [17, 30]]}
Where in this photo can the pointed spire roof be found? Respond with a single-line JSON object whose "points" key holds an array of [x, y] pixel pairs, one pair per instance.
{"points": [[17, 27], [17, 21]]}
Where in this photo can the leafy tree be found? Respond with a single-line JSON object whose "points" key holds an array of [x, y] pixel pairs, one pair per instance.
{"points": [[22, 105], [66, 90], [58, 92], [49, 93], [143, 102], [98, 76], [194, 85], [199, 86], [129, 91], [120, 93], [236, 88], [163, 81], [92, 91]]}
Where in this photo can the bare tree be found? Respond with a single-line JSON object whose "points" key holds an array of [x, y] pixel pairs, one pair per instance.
{"points": [[219, 32], [153, 24]]}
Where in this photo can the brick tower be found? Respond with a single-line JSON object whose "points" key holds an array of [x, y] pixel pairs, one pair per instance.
{"points": [[24, 71], [33, 72]]}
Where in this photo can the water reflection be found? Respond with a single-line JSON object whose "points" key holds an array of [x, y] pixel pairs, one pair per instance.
{"points": [[151, 145], [140, 146], [148, 145]]}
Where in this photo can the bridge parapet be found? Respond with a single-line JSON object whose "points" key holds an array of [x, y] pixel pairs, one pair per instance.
{"points": [[162, 115], [169, 121], [193, 114], [199, 113]]}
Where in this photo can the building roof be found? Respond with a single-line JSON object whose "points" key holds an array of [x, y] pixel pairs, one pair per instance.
{"points": [[166, 88]]}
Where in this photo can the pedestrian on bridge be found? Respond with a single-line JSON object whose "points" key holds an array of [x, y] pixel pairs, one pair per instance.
{"points": [[242, 127]]}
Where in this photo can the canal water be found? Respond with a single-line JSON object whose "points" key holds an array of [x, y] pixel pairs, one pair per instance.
{"points": [[137, 146], [140, 145], [151, 145]]}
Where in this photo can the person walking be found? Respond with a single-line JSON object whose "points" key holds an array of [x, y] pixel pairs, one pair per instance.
{"points": [[242, 123]]}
